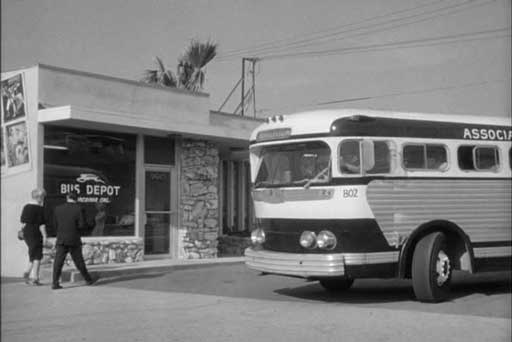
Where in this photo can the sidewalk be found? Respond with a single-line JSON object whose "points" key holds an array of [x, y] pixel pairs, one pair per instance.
{"points": [[71, 274]]}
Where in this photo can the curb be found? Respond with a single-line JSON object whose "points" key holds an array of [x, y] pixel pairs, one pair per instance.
{"points": [[115, 271]]}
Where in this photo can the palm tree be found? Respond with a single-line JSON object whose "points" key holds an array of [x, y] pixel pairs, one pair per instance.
{"points": [[160, 75], [191, 73]]}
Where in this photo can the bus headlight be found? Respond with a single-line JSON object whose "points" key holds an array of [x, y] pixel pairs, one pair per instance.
{"points": [[258, 236], [326, 240], [308, 239]]}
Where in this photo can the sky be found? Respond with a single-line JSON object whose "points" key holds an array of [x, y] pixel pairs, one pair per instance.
{"points": [[435, 56]]}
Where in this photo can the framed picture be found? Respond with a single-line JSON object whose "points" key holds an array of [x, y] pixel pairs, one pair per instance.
{"points": [[17, 144], [13, 98]]}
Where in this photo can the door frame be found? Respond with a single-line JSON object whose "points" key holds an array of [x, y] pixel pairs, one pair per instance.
{"points": [[173, 212]]}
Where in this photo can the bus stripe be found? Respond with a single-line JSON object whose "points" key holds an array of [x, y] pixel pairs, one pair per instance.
{"points": [[492, 252]]}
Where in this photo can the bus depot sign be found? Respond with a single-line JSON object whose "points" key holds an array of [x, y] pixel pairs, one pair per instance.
{"points": [[91, 189]]}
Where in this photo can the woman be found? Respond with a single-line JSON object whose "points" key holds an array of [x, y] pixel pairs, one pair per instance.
{"points": [[34, 232]]}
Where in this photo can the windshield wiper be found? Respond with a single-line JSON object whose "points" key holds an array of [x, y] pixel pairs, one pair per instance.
{"points": [[317, 177]]}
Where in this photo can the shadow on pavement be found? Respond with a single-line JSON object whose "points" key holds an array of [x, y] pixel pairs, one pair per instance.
{"points": [[366, 291], [486, 283], [362, 292]]}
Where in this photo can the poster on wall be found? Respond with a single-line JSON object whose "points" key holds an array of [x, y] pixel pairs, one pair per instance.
{"points": [[13, 99], [2, 148], [17, 144]]}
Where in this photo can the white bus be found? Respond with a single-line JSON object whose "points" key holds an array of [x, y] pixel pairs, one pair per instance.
{"points": [[346, 194]]}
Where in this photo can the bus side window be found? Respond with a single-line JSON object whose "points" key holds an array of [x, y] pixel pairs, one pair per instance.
{"points": [[382, 158], [414, 156], [349, 159], [436, 157], [487, 158], [510, 158], [478, 158], [425, 157], [465, 157]]}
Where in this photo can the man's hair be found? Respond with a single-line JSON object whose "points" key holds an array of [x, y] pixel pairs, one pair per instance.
{"points": [[72, 195]]}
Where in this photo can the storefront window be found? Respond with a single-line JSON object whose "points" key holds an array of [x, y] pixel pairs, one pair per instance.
{"points": [[158, 150], [101, 167]]}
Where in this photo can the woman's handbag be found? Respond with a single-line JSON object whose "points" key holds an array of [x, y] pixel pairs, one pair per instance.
{"points": [[21, 236]]}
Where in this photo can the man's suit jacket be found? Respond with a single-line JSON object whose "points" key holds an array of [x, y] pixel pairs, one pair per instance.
{"points": [[68, 219]]}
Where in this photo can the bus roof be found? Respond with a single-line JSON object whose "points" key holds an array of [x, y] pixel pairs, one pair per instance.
{"points": [[320, 122]]}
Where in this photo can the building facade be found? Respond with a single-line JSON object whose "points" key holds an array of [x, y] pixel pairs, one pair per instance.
{"points": [[159, 175]]}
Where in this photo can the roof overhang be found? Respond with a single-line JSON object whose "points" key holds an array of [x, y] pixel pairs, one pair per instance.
{"points": [[88, 118]]}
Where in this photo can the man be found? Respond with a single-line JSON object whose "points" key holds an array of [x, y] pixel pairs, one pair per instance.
{"points": [[68, 220], [350, 164]]}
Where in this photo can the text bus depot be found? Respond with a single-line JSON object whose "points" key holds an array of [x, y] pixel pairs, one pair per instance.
{"points": [[346, 194]]}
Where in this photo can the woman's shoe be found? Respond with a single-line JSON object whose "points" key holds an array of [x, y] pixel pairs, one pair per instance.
{"points": [[35, 282], [25, 277]]}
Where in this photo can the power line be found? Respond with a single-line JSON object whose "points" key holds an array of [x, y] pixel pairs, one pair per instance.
{"points": [[440, 40], [419, 91], [292, 40], [365, 98], [373, 27], [454, 8]]}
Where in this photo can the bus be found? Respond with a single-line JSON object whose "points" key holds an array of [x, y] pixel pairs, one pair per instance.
{"points": [[345, 194]]}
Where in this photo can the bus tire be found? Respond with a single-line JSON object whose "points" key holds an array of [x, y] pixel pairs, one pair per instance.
{"points": [[336, 284], [431, 269]]}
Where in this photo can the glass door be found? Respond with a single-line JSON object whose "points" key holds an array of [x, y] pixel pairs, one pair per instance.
{"points": [[158, 210]]}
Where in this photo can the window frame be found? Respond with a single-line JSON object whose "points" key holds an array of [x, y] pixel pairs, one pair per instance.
{"points": [[425, 157], [496, 158], [497, 155], [338, 159], [391, 148], [260, 156], [71, 181]]}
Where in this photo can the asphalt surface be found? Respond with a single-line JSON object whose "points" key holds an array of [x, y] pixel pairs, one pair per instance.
{"points": [[232, 303], [487, 295]]}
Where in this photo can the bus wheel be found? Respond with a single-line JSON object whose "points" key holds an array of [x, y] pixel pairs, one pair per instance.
{"points": [[337, 284], [431, 269]]}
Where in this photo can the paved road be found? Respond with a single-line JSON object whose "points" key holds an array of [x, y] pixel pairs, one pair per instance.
{"points": [[487, 295], [230, 303]]}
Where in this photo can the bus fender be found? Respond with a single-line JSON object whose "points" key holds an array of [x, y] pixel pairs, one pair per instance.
{"points": [[455, 236]]}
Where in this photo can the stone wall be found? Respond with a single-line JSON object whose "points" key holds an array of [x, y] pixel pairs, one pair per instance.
{"points": [[199, 199], [109, 251]]}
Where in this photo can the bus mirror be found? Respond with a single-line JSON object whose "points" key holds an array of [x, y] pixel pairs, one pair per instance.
{"points": [[368, 155]]}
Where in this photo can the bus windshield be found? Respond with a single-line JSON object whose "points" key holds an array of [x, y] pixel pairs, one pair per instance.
{"points": [[298, 164]]}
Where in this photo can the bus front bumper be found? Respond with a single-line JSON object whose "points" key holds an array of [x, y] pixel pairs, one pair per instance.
{"points": [[297, 265]]}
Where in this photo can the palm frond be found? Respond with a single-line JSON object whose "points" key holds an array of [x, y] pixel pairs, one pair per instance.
{"points": [[160, 76], [168, 79], [199, 54], [149, 76], [160, 64]]}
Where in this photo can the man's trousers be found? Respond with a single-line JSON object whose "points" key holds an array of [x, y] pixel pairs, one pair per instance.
{"points": [[78, 259]]}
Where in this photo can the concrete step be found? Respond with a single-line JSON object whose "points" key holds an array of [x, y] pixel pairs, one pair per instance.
{"points": [[108, 271]]}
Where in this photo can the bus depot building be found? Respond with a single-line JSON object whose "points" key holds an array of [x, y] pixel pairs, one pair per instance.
{"points": [[159, 175]]}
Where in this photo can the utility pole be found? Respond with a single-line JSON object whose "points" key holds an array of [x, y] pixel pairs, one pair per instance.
{"points": [[253, 61], [246, 96]]}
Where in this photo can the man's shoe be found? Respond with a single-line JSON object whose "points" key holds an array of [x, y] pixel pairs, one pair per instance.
{"points": [[56, 287], [92, 281]]}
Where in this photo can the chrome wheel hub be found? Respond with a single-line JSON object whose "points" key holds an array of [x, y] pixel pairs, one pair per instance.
{"points": [[443, 268]]}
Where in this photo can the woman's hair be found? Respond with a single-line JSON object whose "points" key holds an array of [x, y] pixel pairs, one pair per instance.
{"points": [[37, 194]]}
